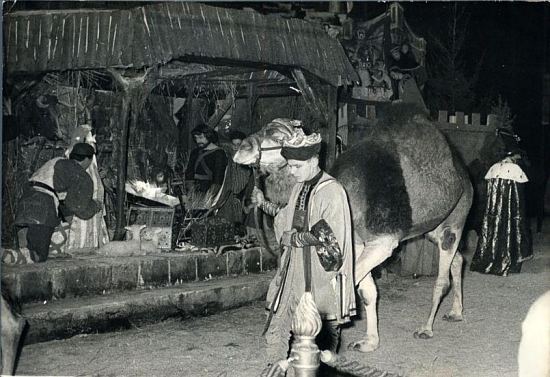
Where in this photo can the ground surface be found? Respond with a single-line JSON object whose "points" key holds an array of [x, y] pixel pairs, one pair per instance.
{"points": [[229, 344]]}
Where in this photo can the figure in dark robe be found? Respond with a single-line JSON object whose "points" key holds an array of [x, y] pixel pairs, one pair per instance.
{"points": [[206, 168], [505, 239]]}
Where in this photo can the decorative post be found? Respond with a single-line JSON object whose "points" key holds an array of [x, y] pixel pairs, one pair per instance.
{"points": [[305, 326]]}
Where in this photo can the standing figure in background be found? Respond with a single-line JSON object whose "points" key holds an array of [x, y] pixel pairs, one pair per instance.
{"points": [[314, 229], [207, 163], [236, 138], [505, 239], [92, 232], [241, 179]]}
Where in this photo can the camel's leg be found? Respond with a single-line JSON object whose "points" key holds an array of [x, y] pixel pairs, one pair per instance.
{"points": [[447, 237], [368, 293], [455, 315], [374, 253], [12, 328], [442, 283]]}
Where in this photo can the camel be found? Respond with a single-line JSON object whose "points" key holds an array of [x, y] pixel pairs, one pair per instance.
{"points": [[12, 328], [402, 180]]}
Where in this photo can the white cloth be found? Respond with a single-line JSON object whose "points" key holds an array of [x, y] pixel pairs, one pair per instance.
{"points": [[506, 170]]}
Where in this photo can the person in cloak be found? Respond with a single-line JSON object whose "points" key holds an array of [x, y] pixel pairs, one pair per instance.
{"points": [[314, 231], [207, 163], [38, 213], [92, 232], [505, 241]]}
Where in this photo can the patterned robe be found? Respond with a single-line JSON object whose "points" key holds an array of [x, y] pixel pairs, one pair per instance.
{"points": [[333, 291]]}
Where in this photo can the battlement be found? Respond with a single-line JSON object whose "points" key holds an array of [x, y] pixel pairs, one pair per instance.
{"points": [[464, 122]]}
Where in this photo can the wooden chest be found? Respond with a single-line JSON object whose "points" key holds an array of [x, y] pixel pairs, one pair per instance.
{"points": [[212, 231], [159, 221]]}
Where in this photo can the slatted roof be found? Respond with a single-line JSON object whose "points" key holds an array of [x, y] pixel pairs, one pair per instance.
{"points": [[57, 40]]}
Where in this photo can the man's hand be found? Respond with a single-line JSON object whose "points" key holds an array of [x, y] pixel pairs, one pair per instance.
{"points": [[286, 238], [257, 197]]}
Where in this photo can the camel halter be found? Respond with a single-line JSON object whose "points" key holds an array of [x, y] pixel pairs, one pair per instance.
{"points": [[257, 162]]}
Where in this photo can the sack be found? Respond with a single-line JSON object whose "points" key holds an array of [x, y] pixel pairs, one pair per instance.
{"points": [[212, 231]]}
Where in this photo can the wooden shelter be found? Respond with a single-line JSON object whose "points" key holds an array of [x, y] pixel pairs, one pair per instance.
{"points": [[178, 50]]}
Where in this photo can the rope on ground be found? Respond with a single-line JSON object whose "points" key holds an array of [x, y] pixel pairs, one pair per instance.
{"points": [[352, 367], [277, 369]]}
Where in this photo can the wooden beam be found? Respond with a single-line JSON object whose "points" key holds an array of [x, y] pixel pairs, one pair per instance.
{"points": [[332, 126], [317, 107], [252, 99], [275, 90]]}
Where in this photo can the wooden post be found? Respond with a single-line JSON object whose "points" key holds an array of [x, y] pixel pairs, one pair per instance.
{"points": [[252, 99], [332, 126], [122, 165], [220, 112], [135, 91], [189, 124]]}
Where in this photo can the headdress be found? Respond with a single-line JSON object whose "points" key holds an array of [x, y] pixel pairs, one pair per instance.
{"points": [[301, 147], [83, 149]]}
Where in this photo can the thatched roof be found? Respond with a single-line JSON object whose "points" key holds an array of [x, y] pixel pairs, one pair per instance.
{"points": [[57, 40]]}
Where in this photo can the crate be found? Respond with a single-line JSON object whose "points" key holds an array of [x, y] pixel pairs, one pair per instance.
{"points": [[212, 231], [159, 221]]}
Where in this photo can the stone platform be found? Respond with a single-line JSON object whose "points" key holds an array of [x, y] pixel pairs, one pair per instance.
{"points": [[65, 297]]}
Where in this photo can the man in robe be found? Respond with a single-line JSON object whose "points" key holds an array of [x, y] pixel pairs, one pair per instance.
{"points": [[314, 231], [38, 212], [207, 163]]}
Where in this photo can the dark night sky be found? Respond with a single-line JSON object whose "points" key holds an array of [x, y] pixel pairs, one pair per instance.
{"points": [[510, 38]]}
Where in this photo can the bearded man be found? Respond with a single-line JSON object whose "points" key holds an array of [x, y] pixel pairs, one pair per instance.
{"points": [[207, 162], [314, 230]]}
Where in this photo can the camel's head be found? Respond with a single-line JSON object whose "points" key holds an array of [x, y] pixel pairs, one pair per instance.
{"points": [[263, 148]]}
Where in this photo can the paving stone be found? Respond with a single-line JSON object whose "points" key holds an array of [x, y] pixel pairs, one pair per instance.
{"points": [[153, 272], [81, 280], [94, 275], [101, 313], [252, 260], [124, 276], [235, 262], [35, 285], [182, 268], [211, 265]]}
